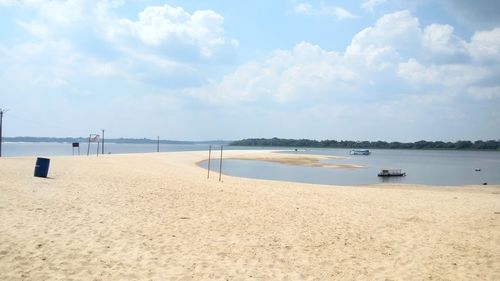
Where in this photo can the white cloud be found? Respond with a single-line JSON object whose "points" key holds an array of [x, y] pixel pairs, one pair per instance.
{"points": [[478, 67], [393, 55], [339, 12], [450, 75], [7, 2], [485, 45], [323, 10], [59, 12], [285, 76], [370, 5], [160, 26], [303, 9], [75, 38], [439, 39], [47, 63], [378, 47], [399, 29], [157, 26], [36, 29], [485, 93]]}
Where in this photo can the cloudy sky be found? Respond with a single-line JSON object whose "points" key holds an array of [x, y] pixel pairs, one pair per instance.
{"points": [[196, 70]]}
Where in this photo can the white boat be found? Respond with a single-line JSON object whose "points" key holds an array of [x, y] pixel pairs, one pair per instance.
{"points": [[359, 152], [392, 173]]}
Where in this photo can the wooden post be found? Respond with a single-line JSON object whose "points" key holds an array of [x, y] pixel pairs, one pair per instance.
{"points": [[88, 148], [102, 144], [220, 166], [209, 154], [158, 145], [1, 140]]}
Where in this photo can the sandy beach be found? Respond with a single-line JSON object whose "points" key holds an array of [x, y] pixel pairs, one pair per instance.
{"points": [[157, 217]]}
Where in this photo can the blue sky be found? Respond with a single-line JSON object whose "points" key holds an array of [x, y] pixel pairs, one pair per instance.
{"points": [[195, 70]]}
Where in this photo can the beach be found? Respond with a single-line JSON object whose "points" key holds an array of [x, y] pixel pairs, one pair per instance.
{"points": [[157, 217]]}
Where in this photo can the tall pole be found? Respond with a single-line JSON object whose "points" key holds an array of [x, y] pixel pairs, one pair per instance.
{"points": [[102, 142], [220, 167], [209, 154], [88, 148], [158, 144], [1, 117]]}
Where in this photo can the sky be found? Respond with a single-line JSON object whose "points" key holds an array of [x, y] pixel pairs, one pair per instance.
{"points": [[389, 70]]}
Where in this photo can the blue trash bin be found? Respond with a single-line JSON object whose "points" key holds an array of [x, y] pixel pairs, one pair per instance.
{"points": [[42, 167]]}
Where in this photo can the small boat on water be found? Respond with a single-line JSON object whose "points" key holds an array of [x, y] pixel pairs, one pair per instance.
{"points": [[359, 152], [391, 173]]}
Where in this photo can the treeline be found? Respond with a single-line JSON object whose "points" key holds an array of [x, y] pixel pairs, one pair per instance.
{"points": [[459, 145]]}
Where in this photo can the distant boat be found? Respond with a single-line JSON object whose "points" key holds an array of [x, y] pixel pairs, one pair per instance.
{"points": [[359, 152], [392, 173]]}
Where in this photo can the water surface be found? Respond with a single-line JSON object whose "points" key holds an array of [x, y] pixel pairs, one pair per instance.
{"points": [[422, 167]]}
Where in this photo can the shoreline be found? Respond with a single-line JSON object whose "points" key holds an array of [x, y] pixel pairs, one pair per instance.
{"points": [[311, 160]]}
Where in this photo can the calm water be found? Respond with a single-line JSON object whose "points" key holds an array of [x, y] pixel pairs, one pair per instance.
{"points": [[10, 149], [422, 167], [55, 149]]}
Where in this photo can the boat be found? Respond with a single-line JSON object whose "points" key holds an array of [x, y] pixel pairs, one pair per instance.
{"points": [[359, 152], [391, 173]]}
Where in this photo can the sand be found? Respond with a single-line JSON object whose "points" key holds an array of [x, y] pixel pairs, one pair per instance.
{"points": [[157, 217], [309, 160]]}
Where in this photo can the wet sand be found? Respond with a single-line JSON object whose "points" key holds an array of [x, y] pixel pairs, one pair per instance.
{"points": [[158, 217]]}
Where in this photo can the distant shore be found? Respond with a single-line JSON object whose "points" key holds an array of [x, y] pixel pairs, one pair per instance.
{"points": [[421, 145], [489, 145], [157, 217], [110, 140]]}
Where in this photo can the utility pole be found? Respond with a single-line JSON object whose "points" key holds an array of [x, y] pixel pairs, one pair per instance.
{"points": [[1, 118], [220, 167], [102, 141]]}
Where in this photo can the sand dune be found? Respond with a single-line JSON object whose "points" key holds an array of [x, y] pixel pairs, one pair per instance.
{"points": [[157, 217]]}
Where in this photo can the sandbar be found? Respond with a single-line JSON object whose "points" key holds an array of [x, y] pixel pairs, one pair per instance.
{"points": [[308, 160]]}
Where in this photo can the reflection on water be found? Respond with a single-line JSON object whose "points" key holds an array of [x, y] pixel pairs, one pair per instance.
{"points": [[390, 179], [421, 167]]}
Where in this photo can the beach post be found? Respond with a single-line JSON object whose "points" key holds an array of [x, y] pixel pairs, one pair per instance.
{"points": [[220, 162], [209, 154], [1, 120], [88, 148], [158, 144], [102, 144]]}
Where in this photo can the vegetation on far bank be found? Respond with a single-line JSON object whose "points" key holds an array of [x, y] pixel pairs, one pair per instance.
{"points": [[458, 145]]}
